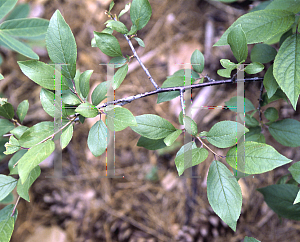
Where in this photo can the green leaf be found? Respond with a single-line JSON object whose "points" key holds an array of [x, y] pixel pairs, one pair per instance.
{"points": [[182, 72], [20, 11], [98, 138], [197, 60], [140, 13], [13, 160], [180, 118], [265, 22], [61, 45], [169, 140], [189, 156], [228, 64], [125, 10], [23, 28], [66, 136], [152, 126], [12, 146], [41, 73], [7, 184], [262, 53], [132, 30], [151, 144], [250, 239], [5, 126], [295, 171], [280, 198], [258, 158], [254, 68], [287, 70], [270, 83], [8, 199], [69, 98], [16, 45], [250, 121], [279, 94], [99, 93], [119, 118], [84, 83], [22, 110], [87, 110], [255, 135], [286, 132], [6, 6], [108, 44], [271, 114], [140, 41], [297, 199], [117, 26], [224, 193], [7, 110], [36, 134], [190, 125], [111, 5], [225, 134], [22, 189], [33, 157], [7, 222], [289, 5], [118, 61], [232, 104], [120, 76], [238, 43], [224, 72], [18, 131]]}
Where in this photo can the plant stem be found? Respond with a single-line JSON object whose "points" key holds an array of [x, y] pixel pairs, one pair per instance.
{"points": [[221, 156], [14, 210], [182, 102]]}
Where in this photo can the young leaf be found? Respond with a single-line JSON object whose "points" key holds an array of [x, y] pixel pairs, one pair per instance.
{"points": [[224, 72], [140, 41], [13, 160], [232, 103], [280, 198], [87, 110], [132, 30], [41, 73], [190, 125], [66, 136], [258, 158], [7, 184], [99, 93], [18, 131], [22, 110], [180, 118], [169, 140], [22, 189], [228, 64], [286, 132], [61, 45], [125, 10], [33, 157], [225, 134], [12, 146], [270, 83], [7, 110], [224, 194], [262, 53], [250, 121], [117, 26], [108, 44], [111, 5], [84, 83], [118, 61], [98, 138], [5, 126], [36, 134], [69, 98], [140, 13], [151, 144], [197, 60], [266, 22], [152, 126], [254, 68], [120, 76], [238, 43], [6, 6], [7, 222], [119, 118], [286, 68], [271, 114]]}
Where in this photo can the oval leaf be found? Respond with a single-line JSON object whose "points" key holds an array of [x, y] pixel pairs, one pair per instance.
{"points": [[270, 83], [151, 144], [22, 110], [119, 118], [22, 189], [5, 126], [7, 184], [254, 68], [197, 61], [140, 13], [66, 136], [7, 222], [108, 44], [169, 140], [238, 43], [98, 138], [87, 110], [84, 82], [99, 93], [120, 76], [117, 26], [262, 53]]}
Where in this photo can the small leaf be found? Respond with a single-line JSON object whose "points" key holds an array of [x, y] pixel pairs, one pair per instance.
{"points": [[33, 157], [84, 83], [225, 134], [151, 144], [22, 189], [140, 13], [262, 53], [250, 121], [197, 60], [254, 68], [18, 131], [228, 64], [5, 126], [98, 138], [270, 83], [111, 5], [7, 110], [140, 41], [152, 126], [99, 93], [132, 30], [118, 61], [87, 110], [70, 98], [169, 140], [224, 194], [286, 132], [12, 146], [22, 110], [117, 26], [238, 43], [271, 114], [125, 10], [7, 184], [255, 135], [224, 72], [251, 239], [245, 102], [119, 118], [66, 136], [295, 171], [180, 118], [120, 76], [13, 160], [258, 158], [190, 125], [108, 44]]}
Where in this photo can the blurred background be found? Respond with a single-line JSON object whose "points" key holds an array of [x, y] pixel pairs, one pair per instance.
{"points": [[151, 203]]}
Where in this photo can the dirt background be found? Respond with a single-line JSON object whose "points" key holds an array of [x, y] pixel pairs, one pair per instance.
{"points": [[151, 203]]}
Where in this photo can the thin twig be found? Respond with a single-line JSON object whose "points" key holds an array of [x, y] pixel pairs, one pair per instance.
{"points": [[221, 156], [13, 212], [182, 102]]}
